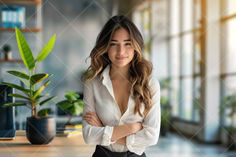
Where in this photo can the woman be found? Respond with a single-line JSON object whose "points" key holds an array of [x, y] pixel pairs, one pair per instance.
{"points": [[122, 101]]}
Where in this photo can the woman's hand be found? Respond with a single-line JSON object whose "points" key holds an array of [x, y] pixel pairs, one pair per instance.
{"points": [[121, 141], [135, 127], [92, 119]]}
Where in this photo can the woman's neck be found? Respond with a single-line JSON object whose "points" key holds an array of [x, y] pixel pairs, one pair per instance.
{"points": [[119, 73]]}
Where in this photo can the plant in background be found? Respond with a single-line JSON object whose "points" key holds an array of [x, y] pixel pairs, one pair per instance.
{"points": [[229, 102], [72, 105], [40, 129], [6, 50], [165, 106], [32, 92]]}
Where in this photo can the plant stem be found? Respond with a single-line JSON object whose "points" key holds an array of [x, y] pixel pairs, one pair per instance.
{"points": [[69, 120], [33, 103], [33, 110]]}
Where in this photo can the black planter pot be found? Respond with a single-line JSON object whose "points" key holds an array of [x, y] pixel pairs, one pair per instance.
{"points": [[163, 131], [40, 130]]}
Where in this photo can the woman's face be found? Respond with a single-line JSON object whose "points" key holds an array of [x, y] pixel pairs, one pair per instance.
{"points": [[120, 50]]}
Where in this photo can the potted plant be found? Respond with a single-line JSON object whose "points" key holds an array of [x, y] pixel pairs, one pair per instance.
{"points": [[6, 50], [165, 115], [40, 129], [165, 107], [229, 103], [72, 105]]}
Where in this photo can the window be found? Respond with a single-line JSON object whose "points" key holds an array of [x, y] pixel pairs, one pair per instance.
{"points": [[187, 54], [231, 7], [228, 53], [185, 58], [197, 53], [177, 52], [230, 47], [188, 15], [174, 60], [186, 99], [175, 97], [174, 19], [174, 49]]}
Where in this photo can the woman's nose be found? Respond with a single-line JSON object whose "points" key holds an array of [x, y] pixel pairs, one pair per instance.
{"points": [[121, 49]]}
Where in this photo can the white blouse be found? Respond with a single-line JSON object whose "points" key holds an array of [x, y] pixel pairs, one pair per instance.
{"points": [[99, 97]]}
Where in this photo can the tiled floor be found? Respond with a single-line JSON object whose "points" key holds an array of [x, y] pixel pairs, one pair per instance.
{"points": [[176, 146]]}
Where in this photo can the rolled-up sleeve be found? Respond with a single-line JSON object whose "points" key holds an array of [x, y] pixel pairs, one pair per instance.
{"points": [[93, 134], [149, 135]]}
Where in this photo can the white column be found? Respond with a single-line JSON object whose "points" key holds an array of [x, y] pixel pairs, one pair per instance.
{"points": [[212, 97]]}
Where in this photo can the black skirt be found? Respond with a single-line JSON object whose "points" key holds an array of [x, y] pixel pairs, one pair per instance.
{"points": [[101, 151]]}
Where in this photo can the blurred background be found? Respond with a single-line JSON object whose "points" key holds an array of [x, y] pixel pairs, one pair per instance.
{"points": [[191, 44]]}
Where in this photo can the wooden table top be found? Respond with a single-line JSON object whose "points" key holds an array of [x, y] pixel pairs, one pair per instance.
{"points": [[59, 147]]}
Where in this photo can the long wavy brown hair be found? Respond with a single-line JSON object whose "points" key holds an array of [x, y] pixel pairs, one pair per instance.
{"points": [[140, 69]]}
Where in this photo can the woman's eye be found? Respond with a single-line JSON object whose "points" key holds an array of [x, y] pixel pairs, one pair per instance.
{"points": [[112, 44], [127, 44]]}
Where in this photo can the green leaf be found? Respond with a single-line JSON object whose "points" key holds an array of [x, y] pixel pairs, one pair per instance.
{"points": [[47, 49], [25, 82], [38, 78], [46, 100], [25, 51], [13, 104], [71, 111], [26, 91], [81, 102], [24, 78], [73, 105], [38, 97], [64, 105], [72, 95], [19, 96], [75, 111], [18, 74], [44, 112], [40, 90]]}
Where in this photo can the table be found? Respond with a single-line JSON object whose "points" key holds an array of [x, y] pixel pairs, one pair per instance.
{"points": [[59, 147]]}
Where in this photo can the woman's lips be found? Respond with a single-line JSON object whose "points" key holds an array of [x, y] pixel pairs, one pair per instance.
{"points": [[121, 58]]}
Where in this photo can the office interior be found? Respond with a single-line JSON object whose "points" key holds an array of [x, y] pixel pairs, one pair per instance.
{"points": [[191, 44]]}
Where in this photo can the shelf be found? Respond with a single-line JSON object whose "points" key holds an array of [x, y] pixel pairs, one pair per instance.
{"points": [[23, 2], [11, 61], [23, 30]]}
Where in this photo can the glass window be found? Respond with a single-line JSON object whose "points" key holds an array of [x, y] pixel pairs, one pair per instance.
{"points": [[187, 54], [231, 53], [175, 97], [159, 18], [196, 99], [197, 53], [231, 5], [175, 18], [197, 14], [230, 84], [230, 88], [186, 99], [145, 22], [159, 58], [187, 14], [137, 20], [185, 94], [174, 57]]}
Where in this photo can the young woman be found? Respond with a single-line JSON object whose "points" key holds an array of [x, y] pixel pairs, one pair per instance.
{"points": [[122, 101]]}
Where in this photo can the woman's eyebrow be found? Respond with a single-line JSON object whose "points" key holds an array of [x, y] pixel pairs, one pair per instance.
{"points": [[127, 40], [114, 40]]}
